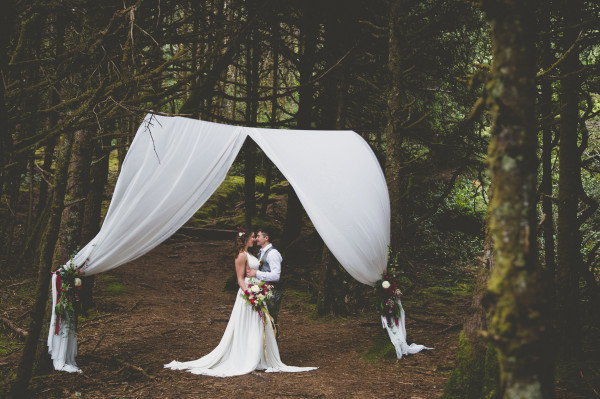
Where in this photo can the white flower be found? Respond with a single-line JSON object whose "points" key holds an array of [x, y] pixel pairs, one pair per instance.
{"points": [[398, 292], [240, 234], [260, 297], [77, 282], [270, 294], [385, 285], [255, 288]]}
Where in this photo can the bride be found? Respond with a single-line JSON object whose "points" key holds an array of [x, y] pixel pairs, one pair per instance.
{"points": [[248, 344]]}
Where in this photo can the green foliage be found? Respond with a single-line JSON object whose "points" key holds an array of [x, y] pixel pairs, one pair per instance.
{"points": [[468, 197], [227, 197]]}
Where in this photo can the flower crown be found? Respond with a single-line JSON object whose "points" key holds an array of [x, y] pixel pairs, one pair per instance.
{"points": [[241, 231]]}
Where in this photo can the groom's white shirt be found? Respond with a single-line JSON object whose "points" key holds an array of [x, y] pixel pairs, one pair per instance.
{"points": [[274, 259]]}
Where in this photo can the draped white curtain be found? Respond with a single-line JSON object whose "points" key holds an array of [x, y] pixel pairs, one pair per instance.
{"points": [[175, 164], [342, 188]]}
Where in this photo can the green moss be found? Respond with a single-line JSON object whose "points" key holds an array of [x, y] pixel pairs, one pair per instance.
{"points": [[7, 345], [297, 299], [113, 286], [466, 378], [491, 380], [471, 377], [225, 198], [382, 348]]}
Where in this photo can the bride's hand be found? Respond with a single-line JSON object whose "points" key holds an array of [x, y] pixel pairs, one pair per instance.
{"points": [[250, 272]]}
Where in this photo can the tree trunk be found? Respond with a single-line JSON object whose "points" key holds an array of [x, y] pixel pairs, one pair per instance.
{"points": [[7, 15], [333, 286], [395, 115], [515, 287], [77, 190], [46, 166], [24, 371], [274, 115], [309, 34], [95, 195], [93, 213], [30, 194], [476, 373], [568, 235], [53, 116], [18, 164], [252, 82]]}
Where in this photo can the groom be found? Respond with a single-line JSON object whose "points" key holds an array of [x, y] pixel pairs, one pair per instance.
{"points": [[269, 271]]}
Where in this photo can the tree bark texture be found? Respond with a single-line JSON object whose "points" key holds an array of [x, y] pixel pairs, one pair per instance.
{"points": [[333, 282], [476, 373], [93, 212], [274, 117], [569, 259], [76, 194], [309, 26], [516, 295], [50, 237], [252, 82], [393, 132]]}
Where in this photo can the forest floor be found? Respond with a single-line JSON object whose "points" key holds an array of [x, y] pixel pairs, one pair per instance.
{"points": [[170, 305]]}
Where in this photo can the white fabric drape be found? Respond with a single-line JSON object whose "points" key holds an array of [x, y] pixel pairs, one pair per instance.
{"points": [[397, 334], [175, 164], [62, 346], [172, 167], [342, 188]]}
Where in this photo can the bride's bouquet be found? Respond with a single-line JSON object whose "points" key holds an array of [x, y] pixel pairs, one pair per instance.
{"points": [[256, 295]]}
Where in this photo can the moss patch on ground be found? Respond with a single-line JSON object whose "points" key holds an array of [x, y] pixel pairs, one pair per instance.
{"points": [[381, 349], [112, 285]]}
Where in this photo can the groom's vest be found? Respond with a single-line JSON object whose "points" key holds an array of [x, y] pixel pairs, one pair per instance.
{"points": [[265, 267]]}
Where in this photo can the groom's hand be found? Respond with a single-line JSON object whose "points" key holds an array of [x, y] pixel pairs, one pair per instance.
{"points": [[250, 272]]}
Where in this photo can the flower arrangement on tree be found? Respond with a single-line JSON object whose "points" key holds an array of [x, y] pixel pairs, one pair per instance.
{"points": [[389, 293], [68, 286], [256, 295]]}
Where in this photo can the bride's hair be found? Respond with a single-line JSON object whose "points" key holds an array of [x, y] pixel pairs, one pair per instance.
{"points": [[240, 240]]}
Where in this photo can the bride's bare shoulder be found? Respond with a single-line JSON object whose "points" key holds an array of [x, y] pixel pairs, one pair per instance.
{"points": [[241, 256]]}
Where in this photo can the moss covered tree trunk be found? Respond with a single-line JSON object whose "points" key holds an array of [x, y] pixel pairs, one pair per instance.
{"points": [[475, 374], [515, 288], [569, 258], [50, 237]]}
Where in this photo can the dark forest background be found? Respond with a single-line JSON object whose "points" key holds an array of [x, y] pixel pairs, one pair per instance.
{"points": [[483, 115]]}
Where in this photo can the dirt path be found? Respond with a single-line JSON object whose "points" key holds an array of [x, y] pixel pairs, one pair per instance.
{"points": [[174, 308]]}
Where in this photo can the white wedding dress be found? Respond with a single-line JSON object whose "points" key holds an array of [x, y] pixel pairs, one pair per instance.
{"points": [[248, 344]]}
